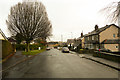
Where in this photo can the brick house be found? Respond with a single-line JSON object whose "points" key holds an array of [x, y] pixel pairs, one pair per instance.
{"points": [[79, 41], [107, 37]]}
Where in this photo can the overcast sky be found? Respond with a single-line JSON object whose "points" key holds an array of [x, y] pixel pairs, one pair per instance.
{"points": [[68, 17]]}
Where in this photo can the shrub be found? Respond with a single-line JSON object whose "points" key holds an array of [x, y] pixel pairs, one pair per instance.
{"points": [[7, 48], [32, 46], [86, 51], [20, 46], [35, 46]]}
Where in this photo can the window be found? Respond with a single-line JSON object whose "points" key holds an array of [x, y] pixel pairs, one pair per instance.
{"points": [[114, 35], [88, 38], [118, 35], [116, 47], [96, 37], [92, 37]]}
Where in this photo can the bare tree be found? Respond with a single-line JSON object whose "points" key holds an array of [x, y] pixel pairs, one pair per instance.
{"points": [[112, 12], [29, 20]]}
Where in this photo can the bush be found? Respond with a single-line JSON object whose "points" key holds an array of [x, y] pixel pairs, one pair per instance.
{"points": [[86, 51], [35, 46], [20, 46], [7, 48], [83, 51], [32, 46]]}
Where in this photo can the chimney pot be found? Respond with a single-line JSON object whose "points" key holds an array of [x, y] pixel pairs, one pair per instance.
{"points": [[82, 34], [96, 27]]}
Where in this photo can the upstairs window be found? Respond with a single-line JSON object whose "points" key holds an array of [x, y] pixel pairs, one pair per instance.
{"points": [[114, 35]]}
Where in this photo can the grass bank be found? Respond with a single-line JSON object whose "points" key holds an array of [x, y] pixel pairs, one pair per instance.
{"points": [[33, 52]]}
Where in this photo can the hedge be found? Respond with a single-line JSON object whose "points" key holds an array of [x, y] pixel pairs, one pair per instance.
{"points": [[35, 46], [20, 46], [7, 48], [32, 46], [86, 51]]}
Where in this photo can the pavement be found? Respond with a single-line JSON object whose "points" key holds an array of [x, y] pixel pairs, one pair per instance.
{"points": [[14, 60], [106, 62], [55, 64]]}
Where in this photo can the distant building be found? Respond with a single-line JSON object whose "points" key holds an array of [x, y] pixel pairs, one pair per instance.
{"points": [[70, 41], [52, 44], [78, 41]]}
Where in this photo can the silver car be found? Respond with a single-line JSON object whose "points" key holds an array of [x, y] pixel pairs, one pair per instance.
{"points": [[65, 49]]}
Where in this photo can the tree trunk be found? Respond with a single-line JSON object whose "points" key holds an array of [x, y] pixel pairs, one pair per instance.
{"points": [[27, 48]]}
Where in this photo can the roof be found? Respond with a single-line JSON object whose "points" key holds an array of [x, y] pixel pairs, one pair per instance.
{"points": [[3, 34], [95, 32], [111, 41]]}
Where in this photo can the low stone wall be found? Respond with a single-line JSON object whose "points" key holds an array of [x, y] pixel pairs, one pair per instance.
{"points": [[109, 56]]}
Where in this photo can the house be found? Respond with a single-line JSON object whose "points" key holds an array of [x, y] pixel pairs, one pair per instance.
{"points": [[83, 41], [70, 42], [79, 41], [2, 35], [107, 37]]}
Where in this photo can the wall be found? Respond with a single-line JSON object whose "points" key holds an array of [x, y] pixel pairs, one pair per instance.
{"points": [[83, 40], [108, 33], [7, 48], [111, 47], [1, 37]]}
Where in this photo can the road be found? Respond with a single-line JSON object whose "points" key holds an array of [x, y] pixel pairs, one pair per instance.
{"points": [[55, 64]]}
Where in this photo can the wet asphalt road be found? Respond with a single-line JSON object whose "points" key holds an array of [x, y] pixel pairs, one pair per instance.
{"points": [[55, 64]]}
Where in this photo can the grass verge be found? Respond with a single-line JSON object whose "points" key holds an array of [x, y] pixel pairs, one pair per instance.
{"points": [[33, 52]]}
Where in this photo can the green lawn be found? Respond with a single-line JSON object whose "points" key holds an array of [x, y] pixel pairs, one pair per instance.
{"points": [[33, 52]]}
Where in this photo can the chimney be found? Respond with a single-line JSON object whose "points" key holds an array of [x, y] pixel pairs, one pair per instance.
{"points": [[82, 34], [96, 27]]}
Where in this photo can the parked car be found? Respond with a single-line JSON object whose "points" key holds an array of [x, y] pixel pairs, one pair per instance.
{"points": [[65, 49], [59, 48], [55, 47], [48, 48]]}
